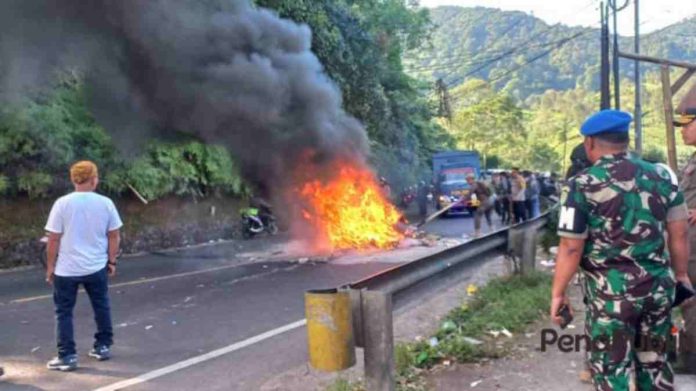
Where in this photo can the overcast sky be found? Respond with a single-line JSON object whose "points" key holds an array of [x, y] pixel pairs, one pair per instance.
{"points": [[655, 14]]}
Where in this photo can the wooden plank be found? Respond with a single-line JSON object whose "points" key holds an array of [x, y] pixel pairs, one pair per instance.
{"points": [[659, 61], [682, 79], [669, 117]]}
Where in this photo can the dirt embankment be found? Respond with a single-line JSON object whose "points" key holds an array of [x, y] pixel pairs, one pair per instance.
{"points": [[171, 222]]}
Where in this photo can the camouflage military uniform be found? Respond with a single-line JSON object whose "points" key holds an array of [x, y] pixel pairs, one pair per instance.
{"points": [[620, 206]]}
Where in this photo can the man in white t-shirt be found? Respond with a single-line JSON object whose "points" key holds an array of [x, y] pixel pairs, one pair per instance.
{"points": [[83, 229]]}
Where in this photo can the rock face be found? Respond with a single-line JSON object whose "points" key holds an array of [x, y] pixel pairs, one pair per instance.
{"points": [[152, 238], [20, 253], [166, 223]]}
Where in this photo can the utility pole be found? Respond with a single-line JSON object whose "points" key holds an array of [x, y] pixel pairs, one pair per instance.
{"points": [[605, 101], [638, 113], [445, 109], [565, 144], [615, 53]]}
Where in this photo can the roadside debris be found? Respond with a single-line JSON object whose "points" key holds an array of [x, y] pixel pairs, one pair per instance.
{"points": [[433, 342], [472, 341], [448, 325]]}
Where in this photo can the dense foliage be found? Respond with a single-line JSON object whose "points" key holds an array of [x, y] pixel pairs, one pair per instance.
{"points": [[39, 141], [527, 113], [540, 133]]}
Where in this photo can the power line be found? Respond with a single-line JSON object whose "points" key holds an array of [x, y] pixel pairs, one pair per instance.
{"points": [[511, 50], [531, 60], [560, 42]]}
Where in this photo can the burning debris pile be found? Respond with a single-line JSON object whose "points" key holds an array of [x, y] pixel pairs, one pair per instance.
{"points": [[224, 71], [349, 211]]}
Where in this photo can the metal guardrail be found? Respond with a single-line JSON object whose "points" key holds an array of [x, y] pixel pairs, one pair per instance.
{"points": [[371, 307], [403, 276]]}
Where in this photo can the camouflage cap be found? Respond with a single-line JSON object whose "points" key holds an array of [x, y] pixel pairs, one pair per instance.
{"points": [[686, 111]]}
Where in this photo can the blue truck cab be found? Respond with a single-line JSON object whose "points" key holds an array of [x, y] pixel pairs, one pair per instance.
{"points": [[450, 170]]}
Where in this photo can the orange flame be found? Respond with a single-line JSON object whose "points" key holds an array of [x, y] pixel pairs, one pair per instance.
{"points": [[350, 211]]}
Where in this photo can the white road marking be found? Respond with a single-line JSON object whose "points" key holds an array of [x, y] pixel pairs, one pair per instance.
{"points": [[136, 282], [202, 358]]}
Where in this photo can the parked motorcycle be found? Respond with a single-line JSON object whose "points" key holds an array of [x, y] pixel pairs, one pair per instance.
{"points": [[254, 223]]}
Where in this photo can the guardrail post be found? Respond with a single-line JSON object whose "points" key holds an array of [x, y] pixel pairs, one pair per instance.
{"points": [[529, 249], [378, 338], [514, 251], [357, 312]]}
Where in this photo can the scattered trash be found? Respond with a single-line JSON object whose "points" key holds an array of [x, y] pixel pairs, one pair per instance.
{"points": [[573, 364], [187, 299], [418, 338], [447, 363], [36, 349], [550, 263], [471, 289], [494, 333], [472, 341], [24, 322], [148, 327], [506, 333], [476, 383], [122, 325], [303, 260], [571, 326], [173, 322], [529, 335], [448, 325], [433, 342]]}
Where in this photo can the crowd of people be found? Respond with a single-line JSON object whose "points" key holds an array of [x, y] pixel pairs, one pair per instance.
{"points": [[514, 195]]}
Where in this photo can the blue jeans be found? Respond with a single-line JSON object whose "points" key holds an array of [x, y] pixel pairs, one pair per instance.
{"points": [[64, 297], [536, 211]]}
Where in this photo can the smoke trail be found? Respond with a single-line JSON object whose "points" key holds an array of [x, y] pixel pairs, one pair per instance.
{"points": [[223, 71]]}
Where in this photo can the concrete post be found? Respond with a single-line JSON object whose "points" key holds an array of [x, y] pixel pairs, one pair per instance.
{"points": [[378, 338], [357, 311]]}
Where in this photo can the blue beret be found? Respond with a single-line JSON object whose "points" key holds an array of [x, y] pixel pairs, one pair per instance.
{"points": [[606, 121]]}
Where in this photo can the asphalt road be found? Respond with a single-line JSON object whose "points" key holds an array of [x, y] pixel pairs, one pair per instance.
{"points": [[204, 318]]}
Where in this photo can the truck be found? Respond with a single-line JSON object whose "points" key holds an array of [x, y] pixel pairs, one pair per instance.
{"points": [[450, 169]]}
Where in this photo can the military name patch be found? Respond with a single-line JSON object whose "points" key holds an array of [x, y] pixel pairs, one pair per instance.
{"points": [[566, 220]]}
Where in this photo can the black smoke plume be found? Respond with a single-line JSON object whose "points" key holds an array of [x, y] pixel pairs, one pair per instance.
{"points": [[223, 71]]}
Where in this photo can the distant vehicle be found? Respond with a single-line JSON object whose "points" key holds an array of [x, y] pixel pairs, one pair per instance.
{"points": [[450, 170]]}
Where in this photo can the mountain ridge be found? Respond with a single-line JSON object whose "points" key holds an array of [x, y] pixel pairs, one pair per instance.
{"points": [[524, 55]]}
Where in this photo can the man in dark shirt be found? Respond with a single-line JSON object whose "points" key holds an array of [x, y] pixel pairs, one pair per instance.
{"points": [[483, 196]]}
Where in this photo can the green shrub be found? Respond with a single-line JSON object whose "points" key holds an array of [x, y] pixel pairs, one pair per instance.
{"points": [[35, 184], [4, 185]]}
